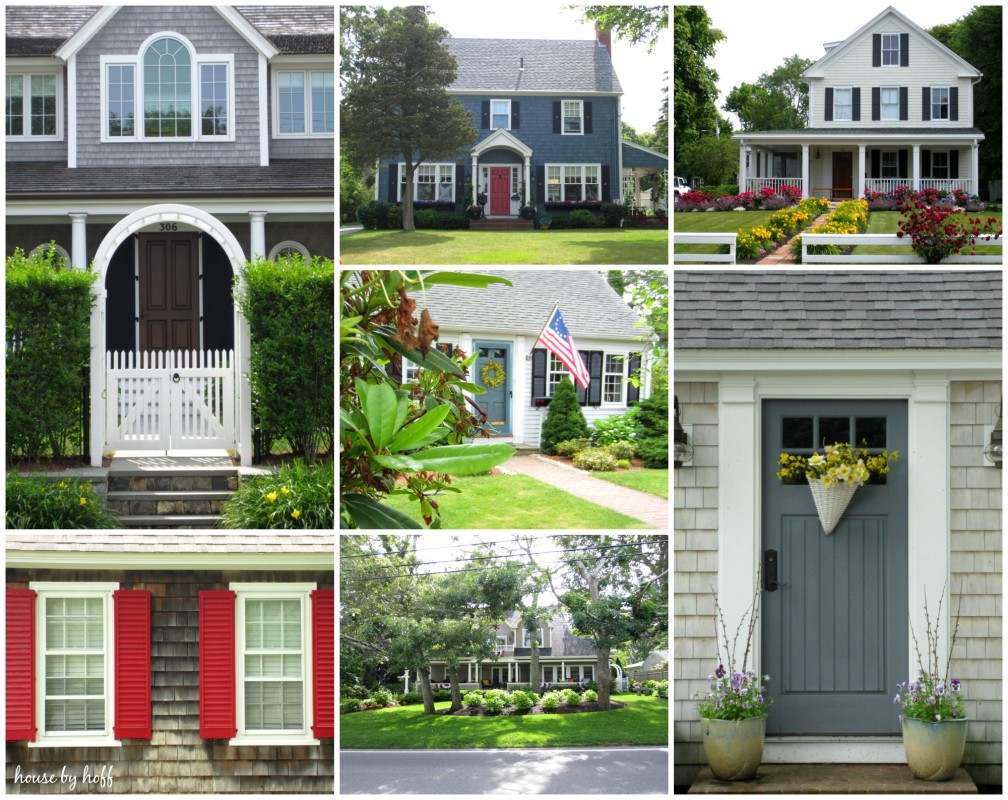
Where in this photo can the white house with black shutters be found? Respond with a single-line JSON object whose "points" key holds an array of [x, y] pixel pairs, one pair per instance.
{"points": [[502, 323], [888, 106]]}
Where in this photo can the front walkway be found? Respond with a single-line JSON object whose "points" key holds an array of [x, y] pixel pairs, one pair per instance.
{"points": [[782, 255], [640, 505]]}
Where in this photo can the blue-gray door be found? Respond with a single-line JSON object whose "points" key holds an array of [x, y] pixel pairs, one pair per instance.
{"points": [[835, 628], [497, 400]]}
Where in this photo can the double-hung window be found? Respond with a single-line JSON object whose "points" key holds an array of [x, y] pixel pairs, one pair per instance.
{"points": [[890, 49], [842, 105], [527, 640], [939, 103], [304, 102], [939, 164], [572, 183], [890, 103], [500, 114], [431, 182], [890, 164], [34, 108], [614, 378], [573, 117], [557, 372]]}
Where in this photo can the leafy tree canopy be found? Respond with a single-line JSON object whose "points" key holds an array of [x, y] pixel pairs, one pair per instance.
{"points": [[630, 23], [696, 91], [777, 101]]}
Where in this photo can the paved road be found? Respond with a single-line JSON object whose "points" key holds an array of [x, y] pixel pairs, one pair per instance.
{"points": [[575, 771]]}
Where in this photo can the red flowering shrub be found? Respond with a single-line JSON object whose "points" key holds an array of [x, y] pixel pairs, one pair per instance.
{"points": [[940, 231], [792, 193]]}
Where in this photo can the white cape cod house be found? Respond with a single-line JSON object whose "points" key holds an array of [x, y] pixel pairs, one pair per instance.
{"points": [[767, 362], [888, 106]]}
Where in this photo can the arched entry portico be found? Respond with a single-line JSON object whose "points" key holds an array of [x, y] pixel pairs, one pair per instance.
{"points": [[134, 223]]}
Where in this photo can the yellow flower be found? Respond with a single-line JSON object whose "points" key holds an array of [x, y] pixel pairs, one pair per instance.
{"points": [[285, 490], [83, 501], [828, 480], [296, 513], [843, 471], [272, 496], [816, 460]]}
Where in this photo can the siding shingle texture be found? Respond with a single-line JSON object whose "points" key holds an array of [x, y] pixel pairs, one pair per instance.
{"points": [[837, 310]]}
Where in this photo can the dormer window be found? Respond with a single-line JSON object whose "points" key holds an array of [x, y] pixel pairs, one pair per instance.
{"points": [[167, 86], [890, 49]]}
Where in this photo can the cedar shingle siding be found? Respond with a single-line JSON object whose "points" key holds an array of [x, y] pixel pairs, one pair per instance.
{"points": [[176, 759]]}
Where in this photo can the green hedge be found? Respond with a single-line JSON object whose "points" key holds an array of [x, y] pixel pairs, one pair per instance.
{"points": [[290, 306], [48, 343], [40, 503]]}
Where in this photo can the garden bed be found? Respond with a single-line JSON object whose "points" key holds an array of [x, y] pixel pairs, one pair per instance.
{"points": [[511, 711]]}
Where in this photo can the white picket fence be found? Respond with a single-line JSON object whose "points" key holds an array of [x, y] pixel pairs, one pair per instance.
{"points": [[170, 400], [705, 238], [887, 240]]}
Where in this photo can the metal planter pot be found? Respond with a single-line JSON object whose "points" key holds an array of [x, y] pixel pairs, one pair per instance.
{"points": [[734, 749], [934, 750]]}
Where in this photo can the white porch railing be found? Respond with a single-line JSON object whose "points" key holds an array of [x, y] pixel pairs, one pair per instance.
{"points": [[946, 183], [705, 238], [886, 240], [885, 184], [755, 184]]}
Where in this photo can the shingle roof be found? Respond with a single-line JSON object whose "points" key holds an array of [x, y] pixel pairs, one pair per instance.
{"points": [[837, 310], [942, 131], [550, 65], [40, 30], [101, 542], [589, 305], [47, 180]]}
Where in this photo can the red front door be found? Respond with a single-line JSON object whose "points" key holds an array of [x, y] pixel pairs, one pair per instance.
{"points": [[500, 190]]}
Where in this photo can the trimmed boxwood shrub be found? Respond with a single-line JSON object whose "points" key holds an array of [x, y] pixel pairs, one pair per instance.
{"points": [[571, 697], [653, 446], [48, 504], [428, 219], [48, 343], [523, 700], [290, 306], [583, 218], [564, 418], [590, 695]]}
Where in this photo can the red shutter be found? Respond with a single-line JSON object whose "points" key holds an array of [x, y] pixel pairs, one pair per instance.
{"points": [[323, 662], [132, 664], [20, 664], [217, 664]]}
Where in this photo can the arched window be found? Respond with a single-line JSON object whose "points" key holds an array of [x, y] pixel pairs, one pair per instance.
{"points": [[167, 81], [60, 256], [288, 248]]}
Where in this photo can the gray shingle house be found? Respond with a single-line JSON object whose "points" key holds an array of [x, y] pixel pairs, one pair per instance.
{"points": [[164, 146], [502, 324], [772, 362], [548, 116], [170, 664]]}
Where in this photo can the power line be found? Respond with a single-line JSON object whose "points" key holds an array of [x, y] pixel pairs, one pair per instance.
{"points": [[457, 544]]}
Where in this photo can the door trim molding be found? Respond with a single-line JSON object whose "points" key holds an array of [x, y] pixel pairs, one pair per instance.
{"points": [[509, 382]]}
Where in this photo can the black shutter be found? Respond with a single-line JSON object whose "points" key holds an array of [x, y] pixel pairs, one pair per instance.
{"points": [[587, 117], [876, 103], [876, 163], [925, 163], [539, 361], [393, 181], [633, 392], [515, 114], [926, 104], [540, 183], [556, 117], [904, 104], [828, 111], [582, 394], [460, 185], [605, 184], [876, 50], [953, 163], [904, 156], [954, 103], [485, 115], [595, 371], [904, 49], [856, 104]]}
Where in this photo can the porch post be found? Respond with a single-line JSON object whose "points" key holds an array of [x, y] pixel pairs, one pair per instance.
{"points": [[860, 170], [78, 238], [915, 184], [804, 170], [475, 182], [741, 166], [975, 167], [528, 173], [258, 235]]}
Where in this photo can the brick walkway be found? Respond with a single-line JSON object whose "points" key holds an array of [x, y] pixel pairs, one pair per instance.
{"points": [[782, 255], [640, 505], [833, 779]]}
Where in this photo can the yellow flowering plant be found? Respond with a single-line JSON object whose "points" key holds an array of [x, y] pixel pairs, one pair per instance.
{"points": [[839, 463]]}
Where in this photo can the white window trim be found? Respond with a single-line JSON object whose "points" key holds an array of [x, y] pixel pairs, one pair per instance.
{"points": [[882, 50], [26, 72], [625, 364], [273, 591], [563, 116], [437, 178], [54, 589], [882, 104], [563, 184], [306, 69], [197, 60], [850, 116], [948, 104], [562, 371], [500, 100], [291, 244], [61, 251]]}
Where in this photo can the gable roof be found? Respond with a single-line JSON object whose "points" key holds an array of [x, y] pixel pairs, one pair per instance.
{"points": [[590, 307], [837, 310], [551, 65], [562, 641], [817, 70]]}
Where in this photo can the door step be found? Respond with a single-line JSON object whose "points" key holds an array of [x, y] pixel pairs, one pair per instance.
{"points": [[833, 779], [144, 495]]}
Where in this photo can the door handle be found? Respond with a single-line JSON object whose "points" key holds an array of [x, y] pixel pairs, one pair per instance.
{"points": [[770, 571]]}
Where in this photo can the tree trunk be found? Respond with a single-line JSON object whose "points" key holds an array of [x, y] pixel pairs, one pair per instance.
{"points": [[603, 677], [534, 680], [425, 690], [456, 691], [407, 198]]}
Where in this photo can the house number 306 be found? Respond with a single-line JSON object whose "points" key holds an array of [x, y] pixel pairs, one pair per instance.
{"points": [[168, 226]]}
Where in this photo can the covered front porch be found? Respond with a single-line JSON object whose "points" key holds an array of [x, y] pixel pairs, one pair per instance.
{"points": [[846, 165], [517, 672]]}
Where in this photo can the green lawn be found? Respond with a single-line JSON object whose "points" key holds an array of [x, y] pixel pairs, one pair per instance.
{"points": [[713, 222], [598, 246], [888, 222], [652, 481], [644, 722], [515, 501]]}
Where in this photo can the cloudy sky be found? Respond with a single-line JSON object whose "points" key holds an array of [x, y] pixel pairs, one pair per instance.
{"points": [[761, 36], [640, 73]]}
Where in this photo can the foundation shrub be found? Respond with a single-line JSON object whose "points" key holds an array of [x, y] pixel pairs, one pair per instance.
{"points": [[551, 701], [590, 695], [472, 699], [571, 697], [564, 418], [621, 428], [373, 215], [496, 700], [523, 700], [571, 446], [350, 706], [583, 218], [595, 459], [622, 450], [66, 504]]}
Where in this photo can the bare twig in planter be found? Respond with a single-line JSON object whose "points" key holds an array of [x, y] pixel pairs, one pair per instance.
{"points": [[752, 613]]}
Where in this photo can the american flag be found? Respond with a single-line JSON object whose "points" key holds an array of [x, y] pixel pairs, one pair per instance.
{"points": [[557, 339]]}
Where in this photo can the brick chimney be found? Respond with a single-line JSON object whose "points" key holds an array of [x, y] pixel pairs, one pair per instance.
{"points": [[604, 37]]}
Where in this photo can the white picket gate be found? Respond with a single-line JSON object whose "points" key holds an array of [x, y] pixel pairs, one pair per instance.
{"points": [[170, 400]]}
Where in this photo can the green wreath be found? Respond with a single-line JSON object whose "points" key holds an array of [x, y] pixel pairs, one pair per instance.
{"points": [[492, 374]]}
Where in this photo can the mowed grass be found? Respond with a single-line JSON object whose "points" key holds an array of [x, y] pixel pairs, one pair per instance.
{"points": [[712, 222], [888, 222], [644, 722], [514, 501], [652, 481], [596, 246]]}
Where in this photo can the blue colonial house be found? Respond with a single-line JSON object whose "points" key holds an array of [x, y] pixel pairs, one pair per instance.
{"points": [[548, 116]]}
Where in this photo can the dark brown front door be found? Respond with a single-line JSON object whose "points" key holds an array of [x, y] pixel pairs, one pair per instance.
{"points": [[169, 292], [843, 173]]}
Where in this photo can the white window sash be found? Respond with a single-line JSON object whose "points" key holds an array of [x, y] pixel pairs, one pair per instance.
{"points": [[26, 105], [437, 171], [565, 105]]}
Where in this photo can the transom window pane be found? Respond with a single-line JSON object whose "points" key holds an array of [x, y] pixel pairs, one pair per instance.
{"points": [[167, 89], [833, 430], [120, 100], [74, 664], [939, 103], [15, 105], [43, 105], [213, 100], [870, 431], [323, 108], [274, 679], [890, 103], [797, 433], [500, 113], [291, 101], [890, 49], [572, 116]]}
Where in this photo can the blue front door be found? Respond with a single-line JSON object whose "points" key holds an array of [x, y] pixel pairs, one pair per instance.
{"points": [[493, 373]]}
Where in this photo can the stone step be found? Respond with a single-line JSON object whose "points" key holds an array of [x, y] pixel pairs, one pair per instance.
{"points": [[182, 481], [170, 521], [141, 503], [833, 779], [186, 494]]}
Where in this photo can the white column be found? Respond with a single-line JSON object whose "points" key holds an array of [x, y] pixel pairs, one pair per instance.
{"points": [[475, 182], [78, 238], [741, 166], [975, 168], [258, 236], [859, 186], [915, 183], [804, 170], [528, 174]]}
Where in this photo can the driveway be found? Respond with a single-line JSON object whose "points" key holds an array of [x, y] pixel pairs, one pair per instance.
{"points": [[574, 771], [350, 229]]}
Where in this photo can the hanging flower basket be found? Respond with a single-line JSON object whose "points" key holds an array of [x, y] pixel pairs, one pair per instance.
{"points": [[831, 499]]}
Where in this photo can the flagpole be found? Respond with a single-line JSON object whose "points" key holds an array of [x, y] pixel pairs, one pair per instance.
{"points": [[556, 305]]}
